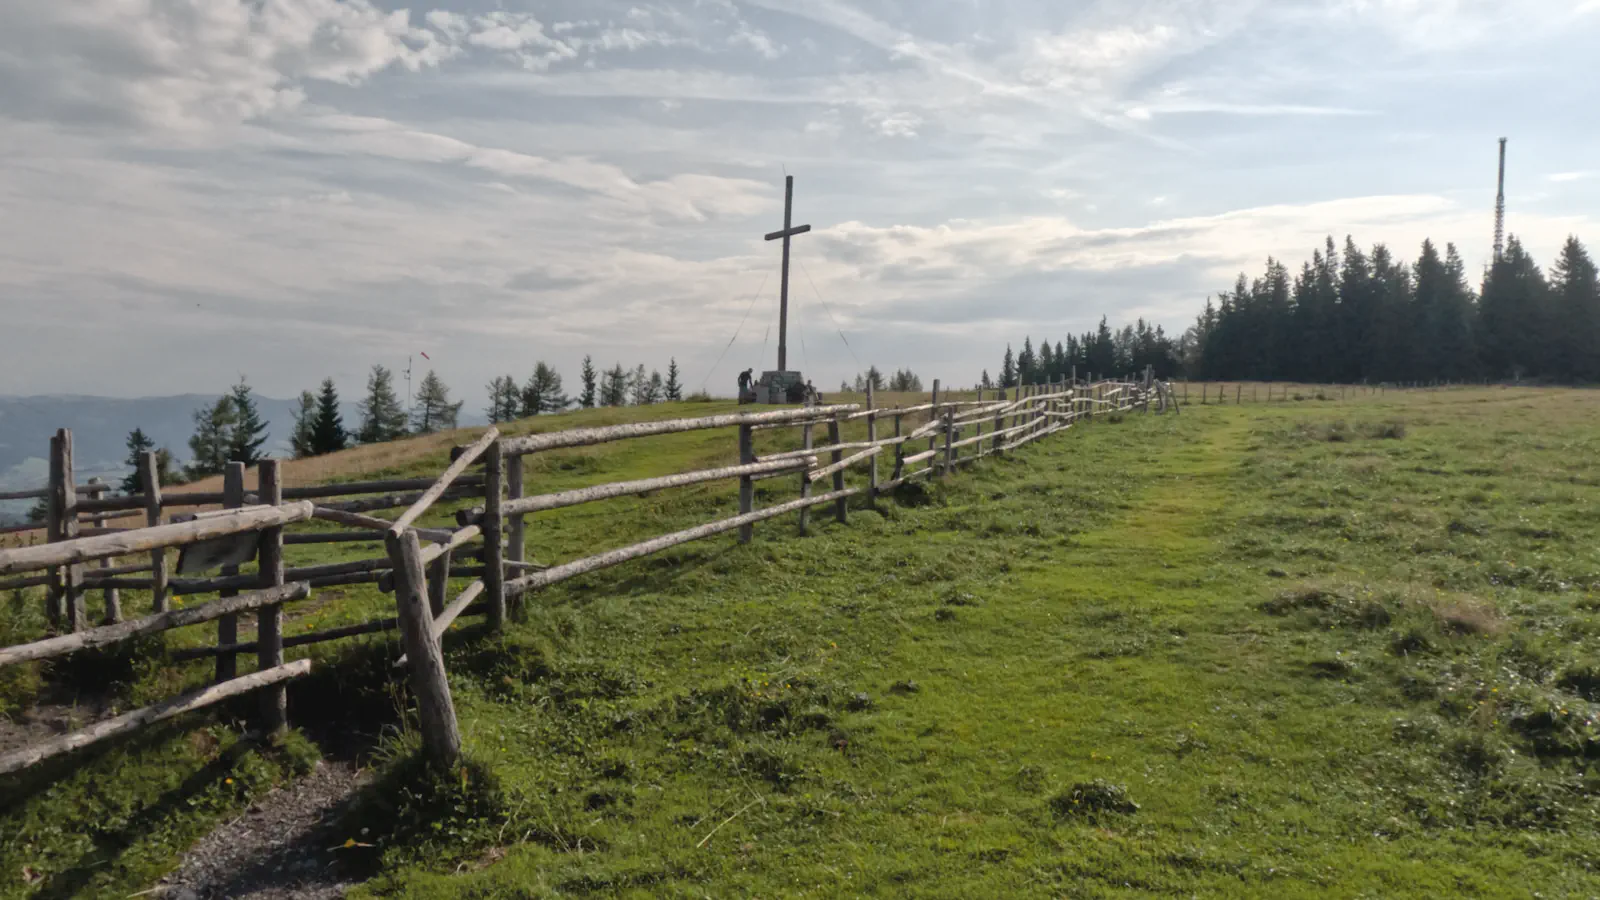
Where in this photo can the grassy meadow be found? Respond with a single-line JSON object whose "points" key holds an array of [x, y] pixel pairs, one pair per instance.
{"points": [[1313, 647]]}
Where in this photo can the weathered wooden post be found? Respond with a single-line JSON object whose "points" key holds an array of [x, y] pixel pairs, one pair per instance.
{"points": [[516, 527], [933, 438], [66, 587], [805, 483], [872, 437], [899, 452], [269, 619], [1203, 387], [228, 625], [999, 426], [441, 738], [113, 597], [494, 560], [1238, 394], [949, 439], [747, 487], [150, 480], [840, 508]]}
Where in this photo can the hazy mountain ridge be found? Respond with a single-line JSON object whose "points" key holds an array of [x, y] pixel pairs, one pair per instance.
{"points": [[100, 427]]}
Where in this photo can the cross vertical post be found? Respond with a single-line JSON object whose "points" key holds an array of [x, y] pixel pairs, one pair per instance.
{"points": [[788, 232]]}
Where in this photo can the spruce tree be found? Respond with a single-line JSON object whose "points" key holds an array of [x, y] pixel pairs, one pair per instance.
{"points": [[505, 399], [1512, 315], [1027, 363], [614, 389], [1103, 355], [382, 416], [542, 393], [587, 398], [1008, 370], [138, 445], [249, 432], [213, 430], [674, 387], [434, 410], [328, 434], [1575, 296], [305, 420]]}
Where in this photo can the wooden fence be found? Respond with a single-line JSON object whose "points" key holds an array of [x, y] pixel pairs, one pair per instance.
{"points": [[925, 440]]}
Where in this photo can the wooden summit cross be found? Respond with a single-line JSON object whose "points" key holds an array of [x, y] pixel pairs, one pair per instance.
{"points": [[783, 290]]}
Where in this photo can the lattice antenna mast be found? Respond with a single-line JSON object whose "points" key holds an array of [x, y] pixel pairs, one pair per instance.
{"points": [[1500, 206]]}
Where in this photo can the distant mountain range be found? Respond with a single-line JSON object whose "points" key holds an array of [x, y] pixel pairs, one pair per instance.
{"points": [[100, 427]]}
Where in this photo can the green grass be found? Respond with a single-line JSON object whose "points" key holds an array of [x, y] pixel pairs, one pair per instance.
{"points": [[1300, 649]]}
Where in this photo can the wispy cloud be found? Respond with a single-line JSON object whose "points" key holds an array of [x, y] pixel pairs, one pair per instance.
{"points": [[1572, 176]]}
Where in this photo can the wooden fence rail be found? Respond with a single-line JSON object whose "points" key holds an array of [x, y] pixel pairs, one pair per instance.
{"points": [[958, 432]]}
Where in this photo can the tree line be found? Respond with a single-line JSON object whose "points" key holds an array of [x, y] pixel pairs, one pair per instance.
{"points": [[231, 429], [1365, 316], [1354, 315]]}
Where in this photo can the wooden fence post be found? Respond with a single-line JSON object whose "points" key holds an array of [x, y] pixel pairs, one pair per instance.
{"points": [[999, 426], [494, 561], [269, 619], [228, 626], [66, 589], [805, 483], [872, 436], [949, 438], [113, 597], [150, 480], [933, 439], [1238, 393], [747, 487], [840, 506], [516, 527], [899, 452], [441, 738], [438, 583]]}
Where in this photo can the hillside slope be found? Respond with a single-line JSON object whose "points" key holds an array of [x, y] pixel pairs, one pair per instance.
{"points": [[1299, 649]]}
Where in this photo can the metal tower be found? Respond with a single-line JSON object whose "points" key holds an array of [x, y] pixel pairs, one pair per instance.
{"points": [[1500, 206]]}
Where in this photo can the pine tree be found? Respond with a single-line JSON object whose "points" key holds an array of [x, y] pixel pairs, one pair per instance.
{"points": [[249, 432], [1008, 370], [434, 410], [984, 382], [542, 393], [674, 387], [587, 398], [138, 445], [382, 416], [213, 430], [505, 399], [1512, 316], [1047, 361], [1103, 353], [657, 389], [1027, 363], [328, 434], [301, 440], [614, 389], [1575, 296], [905, 380]]}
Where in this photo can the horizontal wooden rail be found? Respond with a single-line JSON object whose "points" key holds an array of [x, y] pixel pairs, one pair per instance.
{"points": [[78, 550], [434, 551], [450, 613], [177, 618], [358, 520], [31, 494], [132, 721], [919, 457], [583, 437], [610, 558], [333, 537], [842, 464], [455, 470], [389, 486], [891, 485], [576, 496]]}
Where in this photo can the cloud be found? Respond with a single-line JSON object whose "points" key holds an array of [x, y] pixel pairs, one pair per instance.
{"points": [[186, 65], [1561, 177]]}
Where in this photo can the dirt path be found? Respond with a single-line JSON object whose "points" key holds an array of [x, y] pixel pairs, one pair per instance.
{"points": [[280, 848]]}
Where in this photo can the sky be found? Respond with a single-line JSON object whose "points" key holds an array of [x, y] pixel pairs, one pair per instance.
{"points": [[195, 190]]}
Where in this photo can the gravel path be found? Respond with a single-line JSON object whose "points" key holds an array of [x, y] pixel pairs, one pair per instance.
{"points": [[280, 848]]}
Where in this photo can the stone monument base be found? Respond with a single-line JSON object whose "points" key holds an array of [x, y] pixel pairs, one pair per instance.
{"points": [[776, 388]]}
